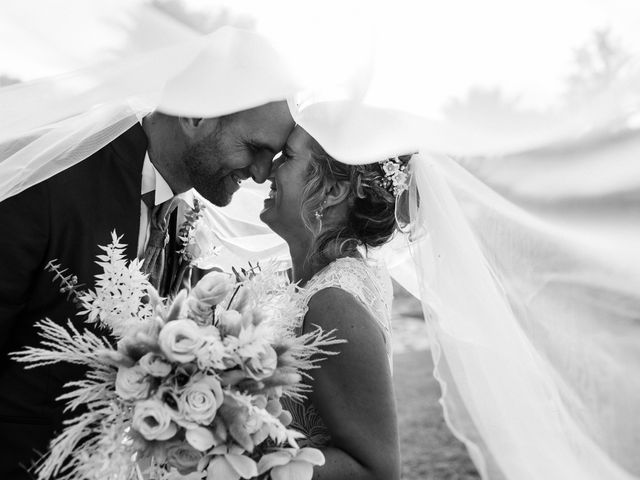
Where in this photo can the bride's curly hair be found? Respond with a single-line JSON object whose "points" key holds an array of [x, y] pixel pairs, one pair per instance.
{"points": [[370, 221]]}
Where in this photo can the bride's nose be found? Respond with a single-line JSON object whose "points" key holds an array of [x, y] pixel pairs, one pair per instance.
{"points": [[261, 169]]}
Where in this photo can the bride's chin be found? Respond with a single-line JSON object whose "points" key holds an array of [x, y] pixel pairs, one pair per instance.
{"points": [[266, 215]]}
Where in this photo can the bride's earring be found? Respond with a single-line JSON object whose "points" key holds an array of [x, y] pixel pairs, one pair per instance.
{"points": [[319, 214]]}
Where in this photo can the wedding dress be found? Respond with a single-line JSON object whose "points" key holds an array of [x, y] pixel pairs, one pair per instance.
{"points": [[370, 284]]}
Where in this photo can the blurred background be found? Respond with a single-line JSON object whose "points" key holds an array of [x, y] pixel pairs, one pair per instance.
{"points": [[429, 450]]}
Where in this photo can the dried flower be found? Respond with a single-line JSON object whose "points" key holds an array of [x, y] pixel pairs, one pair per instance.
{"points": [[262, 363], [395, 177], [198, 239], [179, 389]]}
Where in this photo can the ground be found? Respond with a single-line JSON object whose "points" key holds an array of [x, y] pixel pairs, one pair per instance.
{"points": [[429, 450]]}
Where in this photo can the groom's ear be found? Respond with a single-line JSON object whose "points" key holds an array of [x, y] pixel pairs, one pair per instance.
{"points": [[337, 193], [190, 125]]}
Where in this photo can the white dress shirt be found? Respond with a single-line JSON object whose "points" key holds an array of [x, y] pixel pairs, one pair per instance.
{"points": [[151, 180]]}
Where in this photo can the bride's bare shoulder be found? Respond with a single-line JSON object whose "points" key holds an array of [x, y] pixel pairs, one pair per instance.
{"points": [[335, 308]]}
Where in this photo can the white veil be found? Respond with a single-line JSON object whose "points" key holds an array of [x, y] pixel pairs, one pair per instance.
{"points": [[526, 248], [525, 240], [529, 277]]}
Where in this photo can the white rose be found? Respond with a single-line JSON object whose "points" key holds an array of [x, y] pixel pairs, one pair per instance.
{"points": [[132, 383], [168, 396], [199, 312], [179, 340], [155, 365], [212, 288], [152, 419], [201, 399], [261, 364]]}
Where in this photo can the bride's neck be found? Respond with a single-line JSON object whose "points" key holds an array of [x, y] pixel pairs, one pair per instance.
{"points": [[302, 269]]}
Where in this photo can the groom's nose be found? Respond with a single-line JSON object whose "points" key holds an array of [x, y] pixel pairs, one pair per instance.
{"points": [[261, 168]]}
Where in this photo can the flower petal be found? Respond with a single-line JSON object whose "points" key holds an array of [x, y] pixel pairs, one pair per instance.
{"points": [[270, 460], [220, 469], [245, 466], [310, 455], [168, 433], [293, 471], [200, 438], [176, 306], [220, 449]]}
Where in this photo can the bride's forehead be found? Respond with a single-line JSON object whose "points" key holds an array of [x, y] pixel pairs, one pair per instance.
{"points": [[299, 139]]}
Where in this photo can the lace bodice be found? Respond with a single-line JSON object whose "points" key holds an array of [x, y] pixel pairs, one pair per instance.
{"points": [[368, 282], [371, 286]]}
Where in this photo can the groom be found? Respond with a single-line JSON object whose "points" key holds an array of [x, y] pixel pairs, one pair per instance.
{"points": [[69, 215]]}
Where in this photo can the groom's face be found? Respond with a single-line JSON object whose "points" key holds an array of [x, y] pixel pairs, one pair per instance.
{"points": [[242, 145]]}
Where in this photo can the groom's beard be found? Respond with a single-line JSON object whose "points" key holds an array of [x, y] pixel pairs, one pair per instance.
{"points": [[202, 161]]}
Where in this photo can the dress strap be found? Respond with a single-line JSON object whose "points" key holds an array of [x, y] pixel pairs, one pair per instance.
{"points": [[367, 282]]}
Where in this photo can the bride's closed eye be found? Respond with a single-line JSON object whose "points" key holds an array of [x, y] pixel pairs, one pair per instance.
{"points": [[281, 158]]}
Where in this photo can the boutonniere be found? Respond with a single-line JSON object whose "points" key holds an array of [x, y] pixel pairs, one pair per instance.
{"points": [[196, 238]]}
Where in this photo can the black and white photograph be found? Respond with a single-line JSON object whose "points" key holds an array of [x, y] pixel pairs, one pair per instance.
{"points": [[336, 240]]}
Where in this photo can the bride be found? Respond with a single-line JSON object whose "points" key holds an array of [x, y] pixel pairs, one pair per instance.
{"points": [[330, 213]]}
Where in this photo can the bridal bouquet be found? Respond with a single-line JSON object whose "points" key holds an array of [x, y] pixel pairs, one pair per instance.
{"points": [[189, 385]]}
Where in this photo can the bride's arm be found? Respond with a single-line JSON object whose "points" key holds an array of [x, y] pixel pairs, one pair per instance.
{"points": [[353, 392]]}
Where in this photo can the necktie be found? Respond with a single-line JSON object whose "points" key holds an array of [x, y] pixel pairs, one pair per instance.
{"points": [[156, 255]]}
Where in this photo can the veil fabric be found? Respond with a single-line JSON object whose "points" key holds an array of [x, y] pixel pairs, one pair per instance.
{"points": [[524, 239], [528, 268], [536, 341]]}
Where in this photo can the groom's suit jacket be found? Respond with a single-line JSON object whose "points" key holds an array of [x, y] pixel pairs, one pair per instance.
{"points": [[63, 218]]}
